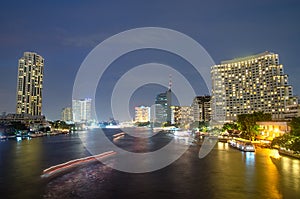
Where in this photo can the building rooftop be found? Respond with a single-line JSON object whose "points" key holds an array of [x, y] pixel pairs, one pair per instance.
{"points": [[238, 59]]}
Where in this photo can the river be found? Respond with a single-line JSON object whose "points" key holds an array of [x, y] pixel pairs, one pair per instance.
{"points": [[223, 173]]}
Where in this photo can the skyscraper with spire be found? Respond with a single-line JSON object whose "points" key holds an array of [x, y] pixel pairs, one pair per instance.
{"points": [[30, 84], [169, 101]]}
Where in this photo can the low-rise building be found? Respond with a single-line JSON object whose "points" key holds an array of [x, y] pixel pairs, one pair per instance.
{"points": [[23, 117], [292, 110], [270, 129]]}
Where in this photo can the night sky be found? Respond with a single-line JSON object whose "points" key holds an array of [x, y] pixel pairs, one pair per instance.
{"points": [[64, 32]]}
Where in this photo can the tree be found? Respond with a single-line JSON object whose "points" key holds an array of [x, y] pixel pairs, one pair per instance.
{"points": [[295, 145], [261, 116], [282, 141], [142, 123], [248, 123], [58, 124], [290, 140], [166, 124], [215, 130], [19, 126], [295, 126], [202, 126], [230, 127]]}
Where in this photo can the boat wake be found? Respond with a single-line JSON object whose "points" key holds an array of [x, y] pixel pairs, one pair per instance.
{"points": [[54, 170]]}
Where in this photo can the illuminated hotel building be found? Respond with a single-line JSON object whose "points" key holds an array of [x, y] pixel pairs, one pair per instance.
{"points": [[82, 110], [30, 84], [142, 114], [245, 85]]}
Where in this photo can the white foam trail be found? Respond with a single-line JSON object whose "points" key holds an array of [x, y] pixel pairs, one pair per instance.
{"points": [[72, 163]]}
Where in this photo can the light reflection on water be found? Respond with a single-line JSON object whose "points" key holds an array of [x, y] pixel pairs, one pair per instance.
{"points": [[269, 176], [256, 174], [291, 166], [250, 158], [224, 173]]}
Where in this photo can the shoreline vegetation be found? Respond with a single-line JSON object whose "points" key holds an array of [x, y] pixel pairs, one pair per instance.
{"points": [[52, 133], [19, 130], [288, 153]]}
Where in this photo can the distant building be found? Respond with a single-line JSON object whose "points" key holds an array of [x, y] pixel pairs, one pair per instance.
{"points": [[201, 109], [142, 114], [82, 110], [161, 107], [183, 116], [30, 84], [163, 111], [157, 115], [67, 114], [249, 84]]}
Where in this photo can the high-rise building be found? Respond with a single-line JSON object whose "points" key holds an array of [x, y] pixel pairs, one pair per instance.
{"points": [[67, 114], [157, 115], [161, 107], [30, 84], [201, 108], [183, 116], [248, 84], [82, 110], [142, 114], [164, 110], [169, 104]]}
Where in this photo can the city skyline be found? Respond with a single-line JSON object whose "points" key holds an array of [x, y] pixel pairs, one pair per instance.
{"points": [[65, 39]]}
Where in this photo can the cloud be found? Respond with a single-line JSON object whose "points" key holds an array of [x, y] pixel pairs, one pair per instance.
{"points": [[84, 40]]}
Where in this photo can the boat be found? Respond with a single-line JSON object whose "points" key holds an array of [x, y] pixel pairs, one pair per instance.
{"points": [[247, 147], [242, 144]]}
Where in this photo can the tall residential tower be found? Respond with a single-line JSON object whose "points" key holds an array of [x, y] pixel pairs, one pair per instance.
{"points": [[30, 84], [82, 110]]}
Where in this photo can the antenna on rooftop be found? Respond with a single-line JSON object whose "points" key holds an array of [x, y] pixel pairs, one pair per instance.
{"points": [[170, 81]]}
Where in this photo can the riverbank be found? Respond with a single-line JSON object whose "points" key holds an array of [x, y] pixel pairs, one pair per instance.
{"points": [[52, 133], [34, 134], [288, 153]]}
